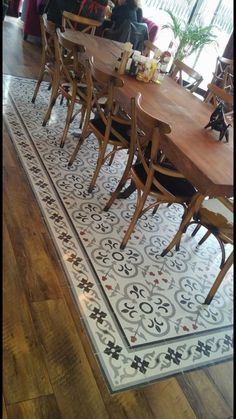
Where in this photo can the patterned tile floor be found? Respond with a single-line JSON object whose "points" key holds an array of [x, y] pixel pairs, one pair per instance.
{"points": [[144, 313]]}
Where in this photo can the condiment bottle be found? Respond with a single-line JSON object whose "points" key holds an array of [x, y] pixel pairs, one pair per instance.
{"points": [[134, 64], [128, 65], [141, 68], [164, 61], [152, 69]]}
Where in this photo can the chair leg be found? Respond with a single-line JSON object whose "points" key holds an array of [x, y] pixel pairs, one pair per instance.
{"points": [[52, 101], [98, 167], [83, 110], [155, 209], [81, 139], [196, 230], [40, 79], [223, 253], [193, 207], [135, 217], [219, 279], [68, 121], [208, 233], [112, 155], [125, 177]]}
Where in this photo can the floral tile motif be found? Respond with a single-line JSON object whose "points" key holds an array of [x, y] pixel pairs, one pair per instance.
{"points": [[143, 313]]}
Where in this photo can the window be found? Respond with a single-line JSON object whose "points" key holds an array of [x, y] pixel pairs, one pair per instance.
{"points": [[217, 12]]}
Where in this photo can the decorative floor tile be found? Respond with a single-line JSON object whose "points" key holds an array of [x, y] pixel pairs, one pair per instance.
{"points": [[143, 313]]}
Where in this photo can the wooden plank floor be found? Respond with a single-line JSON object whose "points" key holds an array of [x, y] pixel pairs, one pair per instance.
{"points": [[49, 370]]}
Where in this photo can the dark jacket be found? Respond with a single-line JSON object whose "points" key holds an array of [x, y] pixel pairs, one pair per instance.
{"points": [[55, 8], [128, 31], [121, 13]]}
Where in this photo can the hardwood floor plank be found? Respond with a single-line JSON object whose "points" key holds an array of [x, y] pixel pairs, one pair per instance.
{"points": [[25, 56], [9, 156], [222, 377], [4, 412], [167, 400], [203, 396], [39, 408], [70, 373], [24, 372], [25, 226]]}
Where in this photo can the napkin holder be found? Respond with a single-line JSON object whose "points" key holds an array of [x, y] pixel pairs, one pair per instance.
{"points": [[124, 58]]}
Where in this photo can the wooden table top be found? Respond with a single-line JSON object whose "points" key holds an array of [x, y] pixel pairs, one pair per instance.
{"points": [[196, 152]]}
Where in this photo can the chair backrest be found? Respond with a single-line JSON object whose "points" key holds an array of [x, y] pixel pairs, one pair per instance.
{"points": [[103, 86], [48, 30], [217, 94], [147, 135], [177, 74], [76, 22], [228, 83], [71, 68], [149, 48], [223, 66], [150, 134], [152, 129]]}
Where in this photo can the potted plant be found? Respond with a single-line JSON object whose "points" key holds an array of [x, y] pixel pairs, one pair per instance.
{"points": [[190, 37]]}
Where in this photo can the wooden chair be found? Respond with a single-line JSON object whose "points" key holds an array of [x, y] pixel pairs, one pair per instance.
{"points": [[110, 125], [224, 66], [72, 21], [217, 94], [73, 82], [229, 79], [48, 31], [216, 215], [150, 176], [177, 74], [151, 49]]}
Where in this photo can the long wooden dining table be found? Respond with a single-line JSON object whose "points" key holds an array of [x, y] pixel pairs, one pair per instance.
{"points": [[196, 152]]}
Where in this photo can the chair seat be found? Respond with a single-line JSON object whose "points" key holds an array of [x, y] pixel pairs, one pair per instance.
{"points": [[176, 186], [121, 129], [217, 217]]}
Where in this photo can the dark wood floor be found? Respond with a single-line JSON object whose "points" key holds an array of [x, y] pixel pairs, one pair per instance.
{"points": [[49, 371]]}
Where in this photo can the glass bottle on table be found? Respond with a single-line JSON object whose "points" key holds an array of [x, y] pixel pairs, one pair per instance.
{"points": [[163, 65], [134, 64]]}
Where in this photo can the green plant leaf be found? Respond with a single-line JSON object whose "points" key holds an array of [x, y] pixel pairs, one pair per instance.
{"points": [[190, 36]]}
